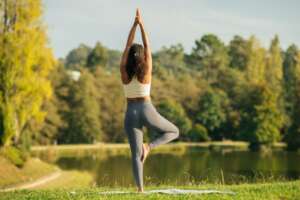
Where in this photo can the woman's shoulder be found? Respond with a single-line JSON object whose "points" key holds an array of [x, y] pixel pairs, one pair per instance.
{"points": [[144, 80]]}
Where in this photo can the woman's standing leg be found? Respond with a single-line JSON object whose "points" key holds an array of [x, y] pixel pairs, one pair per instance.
{"points": [[134, 132], [153, 120]]}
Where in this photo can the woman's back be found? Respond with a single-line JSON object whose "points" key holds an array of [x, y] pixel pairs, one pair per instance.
{"points": [[135, 88]]}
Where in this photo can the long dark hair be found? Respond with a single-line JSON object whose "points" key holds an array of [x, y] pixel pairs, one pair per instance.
{"points": [[135, 61]]}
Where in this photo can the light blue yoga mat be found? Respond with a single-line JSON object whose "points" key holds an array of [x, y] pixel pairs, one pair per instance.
{"points": [[171, 191]]}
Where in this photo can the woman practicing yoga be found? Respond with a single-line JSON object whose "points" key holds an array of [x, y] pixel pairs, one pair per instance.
{"points": [[136, 69]]}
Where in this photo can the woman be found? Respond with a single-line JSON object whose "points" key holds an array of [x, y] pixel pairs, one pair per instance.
{"points": [[136, 69]]}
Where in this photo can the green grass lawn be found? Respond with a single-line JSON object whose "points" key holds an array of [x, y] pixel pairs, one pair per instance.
{"points": [[262, 191]]}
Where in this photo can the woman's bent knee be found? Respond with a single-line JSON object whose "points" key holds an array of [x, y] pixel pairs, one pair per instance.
{"points": [[176, 132]]}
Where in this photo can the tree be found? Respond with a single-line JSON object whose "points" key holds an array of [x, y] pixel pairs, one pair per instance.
{"points": [[84, 125], [274, 74], [209, 55], [171, 58], [293, 135], [274, 65], [256, 65], [98, 56], [261, 118], [290, 76], [212, 113], [78, 57], [114, 57], [174, 112], [25, 62], [112, 104], [55, 107], [238, 52]]}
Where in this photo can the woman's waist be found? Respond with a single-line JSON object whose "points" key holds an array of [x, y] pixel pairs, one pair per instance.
{"points": [[139, 99]]}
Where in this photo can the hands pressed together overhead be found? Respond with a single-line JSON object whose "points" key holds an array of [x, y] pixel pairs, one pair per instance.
{"points": [[138, 18]]}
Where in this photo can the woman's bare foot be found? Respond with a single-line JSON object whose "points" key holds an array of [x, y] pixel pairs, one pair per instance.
{"points": [[141, 190], [146, 150]]}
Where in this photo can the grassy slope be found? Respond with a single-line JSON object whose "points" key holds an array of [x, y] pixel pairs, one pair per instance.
{"points": [[69, 179], [268, 191], [32, 170]]}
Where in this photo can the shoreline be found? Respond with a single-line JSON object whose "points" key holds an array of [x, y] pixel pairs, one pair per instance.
{"points": [[222, 144]]}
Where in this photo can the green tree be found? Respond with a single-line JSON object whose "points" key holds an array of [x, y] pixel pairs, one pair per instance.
{"points": [[209, 55], [98, 56], [84, 125], [55, 107], [290, 76], [274, 66], [293, 135], [25, 62], [274, 74], [78, 57], [114, 57], [238, 53], [111, 101], [212, 113], [171, 58], [174, 112], [261, 118], [256, 65]]}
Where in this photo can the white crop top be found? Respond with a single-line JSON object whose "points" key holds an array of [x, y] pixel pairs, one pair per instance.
{"points": [[136, 89]]}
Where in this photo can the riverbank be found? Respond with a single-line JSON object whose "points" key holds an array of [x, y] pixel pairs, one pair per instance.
{"points": [[274, 191], [173, 145]]}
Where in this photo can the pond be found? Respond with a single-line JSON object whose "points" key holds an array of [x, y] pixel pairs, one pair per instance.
{"points": [[193, 165]]}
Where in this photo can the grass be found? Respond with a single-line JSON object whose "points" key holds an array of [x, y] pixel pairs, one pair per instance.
{"points": [[32, 170], [262, 191]]}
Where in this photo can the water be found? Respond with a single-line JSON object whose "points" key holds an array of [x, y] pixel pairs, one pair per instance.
{"points": [[184, 167]]}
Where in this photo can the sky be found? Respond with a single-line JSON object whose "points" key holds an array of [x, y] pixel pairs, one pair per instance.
{"points": [[168, 22]]}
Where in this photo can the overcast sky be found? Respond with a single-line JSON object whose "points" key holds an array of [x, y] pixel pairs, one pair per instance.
{"points": [[71, 22]]}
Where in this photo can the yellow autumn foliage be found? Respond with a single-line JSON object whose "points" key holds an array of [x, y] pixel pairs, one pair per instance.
{"points": [[26, 61]]}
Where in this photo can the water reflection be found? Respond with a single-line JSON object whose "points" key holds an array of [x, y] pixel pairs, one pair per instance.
{"points": [[193, 166]]}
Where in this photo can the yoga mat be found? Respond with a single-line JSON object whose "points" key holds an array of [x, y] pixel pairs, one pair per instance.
{"points": [[171, 191]]}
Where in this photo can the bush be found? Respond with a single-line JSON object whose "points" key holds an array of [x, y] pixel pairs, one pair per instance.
{"points": [[14, 155], [198, 133]]}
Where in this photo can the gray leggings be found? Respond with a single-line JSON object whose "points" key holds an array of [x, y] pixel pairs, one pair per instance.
{"points": [[139, 114]]}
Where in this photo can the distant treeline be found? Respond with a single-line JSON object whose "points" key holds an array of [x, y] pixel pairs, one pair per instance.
{"points": [[239, 91]]}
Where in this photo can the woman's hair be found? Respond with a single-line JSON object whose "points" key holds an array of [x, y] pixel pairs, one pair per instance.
{"points": [[136, 61]]}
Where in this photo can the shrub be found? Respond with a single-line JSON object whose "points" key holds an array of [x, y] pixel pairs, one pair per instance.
{"points": [[198, 133]]}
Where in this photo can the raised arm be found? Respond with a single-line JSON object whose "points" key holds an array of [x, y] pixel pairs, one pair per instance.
{"points": [[126, 50], [148, 55]]}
